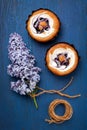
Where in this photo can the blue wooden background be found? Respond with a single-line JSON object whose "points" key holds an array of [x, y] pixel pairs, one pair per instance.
{"points": [[18, 112]]}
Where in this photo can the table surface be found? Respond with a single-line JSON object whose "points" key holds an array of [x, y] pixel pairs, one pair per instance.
{"points": [[18, 112]]}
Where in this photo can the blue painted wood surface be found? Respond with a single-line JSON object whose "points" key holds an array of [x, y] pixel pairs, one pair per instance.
{"points": [[18, 112]]}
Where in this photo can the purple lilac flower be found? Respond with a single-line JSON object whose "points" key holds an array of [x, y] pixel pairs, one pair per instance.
{"points": [[22, 66]]}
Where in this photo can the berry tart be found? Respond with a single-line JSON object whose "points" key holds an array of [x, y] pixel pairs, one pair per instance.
{"points": [[62, 59], [43, 25]]}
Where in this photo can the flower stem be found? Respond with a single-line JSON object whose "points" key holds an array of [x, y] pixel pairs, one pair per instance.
{"points": [[34, 98], [35, 102]]}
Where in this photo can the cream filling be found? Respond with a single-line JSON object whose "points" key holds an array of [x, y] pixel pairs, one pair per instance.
{"points": [[70, 54], [45, 33]]}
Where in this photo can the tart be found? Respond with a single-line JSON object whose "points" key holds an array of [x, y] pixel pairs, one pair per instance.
{"points": [[62, 59], [43, 25]]}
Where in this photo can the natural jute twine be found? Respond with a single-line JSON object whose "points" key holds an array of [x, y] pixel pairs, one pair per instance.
{"points": [[59, 119], [59, 92]]}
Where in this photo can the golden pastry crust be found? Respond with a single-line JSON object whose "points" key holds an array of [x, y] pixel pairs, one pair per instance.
{"points": [[54, 69], [55, 26]]}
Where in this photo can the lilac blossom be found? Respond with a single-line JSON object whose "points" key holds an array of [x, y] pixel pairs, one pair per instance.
{"points": [[22, 66]]}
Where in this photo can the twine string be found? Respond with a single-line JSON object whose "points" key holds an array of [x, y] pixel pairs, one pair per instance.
{"points": [[59, 92]]}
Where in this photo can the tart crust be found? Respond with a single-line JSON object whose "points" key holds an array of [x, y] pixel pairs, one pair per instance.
{"points": [[54, 25], [74, 59]]}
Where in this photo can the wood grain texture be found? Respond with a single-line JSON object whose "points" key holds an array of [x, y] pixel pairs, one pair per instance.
{"points": [[18, 112]]}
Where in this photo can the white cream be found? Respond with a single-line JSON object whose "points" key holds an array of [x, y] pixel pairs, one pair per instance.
{"points": [[45, 33], [70, 54]]}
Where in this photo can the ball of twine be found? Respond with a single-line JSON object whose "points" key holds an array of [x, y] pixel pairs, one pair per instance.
{"points": [[56, 118]]}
